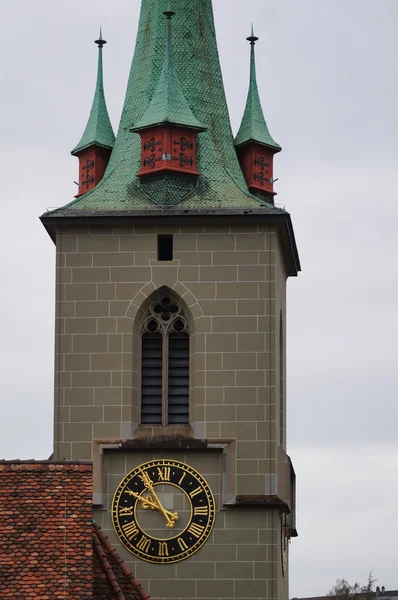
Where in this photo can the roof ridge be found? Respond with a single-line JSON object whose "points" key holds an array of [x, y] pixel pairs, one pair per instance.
{"points": [[106, 568], [103, 546]]}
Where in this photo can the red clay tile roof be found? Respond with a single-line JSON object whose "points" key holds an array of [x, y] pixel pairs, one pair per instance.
{"points": [[49, 546], [45, 530]]}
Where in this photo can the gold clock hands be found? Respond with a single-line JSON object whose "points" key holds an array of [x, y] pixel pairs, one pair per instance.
{"points": [[170, 520], [147, 502]]}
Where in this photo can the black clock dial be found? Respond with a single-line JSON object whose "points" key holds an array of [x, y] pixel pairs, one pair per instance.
{"points": [[139, 499]]}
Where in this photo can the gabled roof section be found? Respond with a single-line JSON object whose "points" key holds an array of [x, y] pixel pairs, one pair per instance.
{"points": [[40, 538], [168, 104], [98, 129], [254, 127], [111, 575]]}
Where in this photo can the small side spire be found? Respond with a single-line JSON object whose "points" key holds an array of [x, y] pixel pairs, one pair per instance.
{"points": [[168, 104], [254, 145], [98, 129], [95, 147], [254, 126]]}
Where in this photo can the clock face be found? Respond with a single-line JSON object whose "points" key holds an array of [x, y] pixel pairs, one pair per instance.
{"points": [[163, 511]]}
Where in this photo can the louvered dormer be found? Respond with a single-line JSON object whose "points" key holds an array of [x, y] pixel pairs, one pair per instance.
{"points": [[168, 128]]}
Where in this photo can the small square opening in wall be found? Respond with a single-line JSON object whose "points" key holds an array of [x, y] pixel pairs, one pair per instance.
{"points": [[165, 247]]}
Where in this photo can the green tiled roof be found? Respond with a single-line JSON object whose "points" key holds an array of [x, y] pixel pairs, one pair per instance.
{"points": [[168, 104], [98, 129], [254, 126], [197, 69]]}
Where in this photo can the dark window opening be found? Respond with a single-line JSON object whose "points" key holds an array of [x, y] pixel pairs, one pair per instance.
{"points": [[165, 247], [178, 396], [151, 378], [165, 368]]}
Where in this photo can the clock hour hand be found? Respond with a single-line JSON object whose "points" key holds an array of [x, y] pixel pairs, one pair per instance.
{"points": [[147, 502]]}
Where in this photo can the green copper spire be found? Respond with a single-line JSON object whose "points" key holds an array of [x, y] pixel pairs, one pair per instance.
{"points": [[199, 99], [98, 129], [254, 126], [168, 104]]}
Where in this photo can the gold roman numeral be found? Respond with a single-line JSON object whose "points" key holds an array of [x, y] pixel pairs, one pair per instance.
{"points": [[163, 549], [201, 511], [182, 544], [126, 512], [144, 544], [196, 530], [164, 473], [182, 479], [196, 492], [130, 529]]}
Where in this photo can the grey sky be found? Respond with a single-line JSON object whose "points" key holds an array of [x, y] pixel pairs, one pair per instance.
{"points": [[328, 80]]}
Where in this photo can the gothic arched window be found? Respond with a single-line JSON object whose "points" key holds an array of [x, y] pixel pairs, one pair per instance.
{"points": [[165, 364]]}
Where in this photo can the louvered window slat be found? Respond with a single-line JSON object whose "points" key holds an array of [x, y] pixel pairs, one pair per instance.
{"points": [[151, 378], [165, 364], [178, 369]]}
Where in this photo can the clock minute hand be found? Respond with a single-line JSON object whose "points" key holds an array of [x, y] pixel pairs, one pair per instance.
{"points": [[170, 522]]}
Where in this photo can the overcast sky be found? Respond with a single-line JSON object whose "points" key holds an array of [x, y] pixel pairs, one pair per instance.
{"points": [[328, 80]]}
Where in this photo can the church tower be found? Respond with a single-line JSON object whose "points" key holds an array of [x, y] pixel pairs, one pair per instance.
{"points": [[170, 323]]}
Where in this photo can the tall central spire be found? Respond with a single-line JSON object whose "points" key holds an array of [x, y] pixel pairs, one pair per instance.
{"points": [[195, 62], [168, 103]]}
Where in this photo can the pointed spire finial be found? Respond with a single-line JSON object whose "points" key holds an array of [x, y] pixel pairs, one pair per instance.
{"points": [[252, 38], [169, 14], [101, 42]]}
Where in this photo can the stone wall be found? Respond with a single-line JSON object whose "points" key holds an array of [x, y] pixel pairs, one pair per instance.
{"points": [[231, 280]]}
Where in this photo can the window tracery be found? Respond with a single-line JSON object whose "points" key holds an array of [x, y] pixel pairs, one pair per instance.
{"points": [[165, 351], [165, 316]]}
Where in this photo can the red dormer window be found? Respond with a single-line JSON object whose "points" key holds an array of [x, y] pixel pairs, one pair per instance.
{"points": [[257, 164], [168, 148], [92, 166]]}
